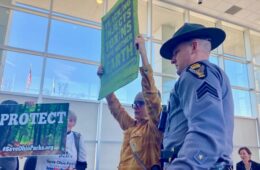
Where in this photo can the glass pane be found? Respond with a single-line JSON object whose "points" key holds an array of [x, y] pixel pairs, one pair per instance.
{"points": [[213, 59], [255, 44], [242, 103], [24, 34], [22, 73], [89, 10], [4, 17], [142, 14], [237, 73], [165, 22], [127, 93], [75, 40], [165, 85], [160, 64], [257, 78], [202, 19], [6, 2], [234, 42], [70, 79], [258, 102], [42, 5]]}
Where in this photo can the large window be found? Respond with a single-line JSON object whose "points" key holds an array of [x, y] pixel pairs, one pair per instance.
{"points": [[237, 73], [258, 101], [165, 85], [165, 22], [22, 72], [242, 103], [213, 59], [69, 79], [255, 44], [75, 40], [27, 31], [257, 78], [202, 19], [160, 64], [127, 93], [4, 16], [234, 43]]}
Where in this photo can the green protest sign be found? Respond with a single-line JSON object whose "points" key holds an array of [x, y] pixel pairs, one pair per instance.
{"points": [[38, 129], [119, 56]]}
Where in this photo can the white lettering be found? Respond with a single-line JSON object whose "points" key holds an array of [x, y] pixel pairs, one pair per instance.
{"points": [[42, 119]]}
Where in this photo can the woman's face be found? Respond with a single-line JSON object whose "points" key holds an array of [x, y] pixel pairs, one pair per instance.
{"points": [[71, 124], [244, 155]]}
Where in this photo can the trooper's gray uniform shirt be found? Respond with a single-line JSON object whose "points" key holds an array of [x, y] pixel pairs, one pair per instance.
{"points": [[200, 118]]}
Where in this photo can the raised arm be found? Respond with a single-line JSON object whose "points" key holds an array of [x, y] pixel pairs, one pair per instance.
{"points": [[150, 92], [116, 109]]}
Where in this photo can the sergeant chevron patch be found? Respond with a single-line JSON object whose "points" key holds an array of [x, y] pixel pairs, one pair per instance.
{"points": [[198, 70], [206, 88]]}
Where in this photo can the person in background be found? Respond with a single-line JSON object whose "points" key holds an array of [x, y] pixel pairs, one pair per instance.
{"points": [[75, 156], [141, 144], [200, 122], [246, 163], [9, 163]]}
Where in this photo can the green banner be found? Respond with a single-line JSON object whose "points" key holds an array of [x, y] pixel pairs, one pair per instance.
{"points": [[38, 129], [119, 56]]}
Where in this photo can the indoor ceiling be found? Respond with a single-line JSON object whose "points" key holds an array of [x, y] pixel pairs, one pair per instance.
{"points": [[245, 13]]}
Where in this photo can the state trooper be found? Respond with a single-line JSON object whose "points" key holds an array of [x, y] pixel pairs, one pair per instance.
{"points": [[200, 122]]}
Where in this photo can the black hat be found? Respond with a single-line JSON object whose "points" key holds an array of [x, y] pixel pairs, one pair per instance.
{"points": [[189, 31]]}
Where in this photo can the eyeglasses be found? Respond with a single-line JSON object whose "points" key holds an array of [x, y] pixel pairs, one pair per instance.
{"points": [[138, 104]]}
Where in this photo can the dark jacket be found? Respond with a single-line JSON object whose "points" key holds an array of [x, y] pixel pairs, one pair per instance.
{"points": [[254, 165]]}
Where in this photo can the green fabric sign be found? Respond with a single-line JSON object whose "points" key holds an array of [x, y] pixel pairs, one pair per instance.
{"points": [[39, 129], [119, 56]]}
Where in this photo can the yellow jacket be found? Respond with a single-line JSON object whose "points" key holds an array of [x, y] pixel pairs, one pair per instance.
{"points": [[144, 138]]}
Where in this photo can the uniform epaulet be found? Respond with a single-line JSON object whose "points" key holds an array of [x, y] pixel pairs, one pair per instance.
{"points": [[199, 70]]}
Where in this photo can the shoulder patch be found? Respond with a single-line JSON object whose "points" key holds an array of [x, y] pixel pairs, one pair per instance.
{"points": [[199, 70], [206, 88]]}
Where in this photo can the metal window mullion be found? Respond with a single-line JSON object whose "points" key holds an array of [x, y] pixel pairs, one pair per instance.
{"points": [[98, 136], [49, 55], [149, 29], [3, 58], [45, 53], [220, 50], [186, 16]]}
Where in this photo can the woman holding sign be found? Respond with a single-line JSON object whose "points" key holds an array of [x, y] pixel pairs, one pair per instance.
{"points": [[142, 139]]}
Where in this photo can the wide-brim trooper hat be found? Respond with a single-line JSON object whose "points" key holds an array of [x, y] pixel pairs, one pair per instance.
{"points": [[190, 31]]}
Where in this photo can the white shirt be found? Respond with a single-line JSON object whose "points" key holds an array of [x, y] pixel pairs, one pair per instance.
{"points": [[63, 161]]}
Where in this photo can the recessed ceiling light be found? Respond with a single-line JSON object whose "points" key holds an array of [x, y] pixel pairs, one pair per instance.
{"points": [[100, 1]]}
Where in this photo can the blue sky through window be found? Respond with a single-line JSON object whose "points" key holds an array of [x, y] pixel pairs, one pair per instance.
{"points": [[75, 41], [16, 72], [27, 31]]}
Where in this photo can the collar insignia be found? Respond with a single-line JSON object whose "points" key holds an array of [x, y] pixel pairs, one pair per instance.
{"points": [[198, 70]]}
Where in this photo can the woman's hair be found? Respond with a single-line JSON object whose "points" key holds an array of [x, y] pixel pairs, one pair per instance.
{"points": [[246, 149], [9, 102], [72, 116]]}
